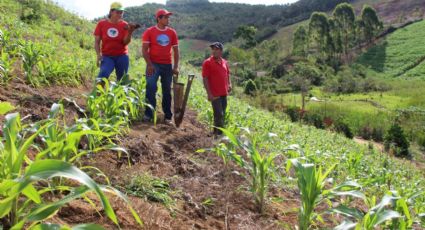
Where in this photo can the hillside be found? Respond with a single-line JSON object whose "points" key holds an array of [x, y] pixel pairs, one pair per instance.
{"points": [[201, 19], [391, 12], [400, 54], [73, 156]]}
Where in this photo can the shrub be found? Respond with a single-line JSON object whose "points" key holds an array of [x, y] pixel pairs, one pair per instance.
{"points": [[342, 127], [396, 141]]}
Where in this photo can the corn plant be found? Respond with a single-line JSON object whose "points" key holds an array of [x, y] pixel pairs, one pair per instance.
{"points": [[311, 182], [62, 142], [5, 68], [116, 103], [392, 212], [260, 166], [20, 199], [31, 54], [377, 215]]}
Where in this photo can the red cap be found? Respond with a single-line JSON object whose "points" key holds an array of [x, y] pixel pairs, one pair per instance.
{"points": [[162, 12]]}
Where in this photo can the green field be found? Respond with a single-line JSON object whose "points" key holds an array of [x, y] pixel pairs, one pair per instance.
{"points": [[89, 162], [400, 55]]}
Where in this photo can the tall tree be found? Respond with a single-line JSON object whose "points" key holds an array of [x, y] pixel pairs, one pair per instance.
{"points": [[300, 42], [370, 22], [334, 33], [319, 34], [345, 18]]}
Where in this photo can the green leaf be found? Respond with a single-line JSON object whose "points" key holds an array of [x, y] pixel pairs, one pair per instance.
{"points": [[386, 215], [45, 169], [346, 226], [347, 211], [6, 107]]}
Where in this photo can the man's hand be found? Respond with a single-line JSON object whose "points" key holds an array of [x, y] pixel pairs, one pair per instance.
{"points": [[98, 60], [131, 27], [230, 88], [211, 97], [176, 70], [150, 70]]}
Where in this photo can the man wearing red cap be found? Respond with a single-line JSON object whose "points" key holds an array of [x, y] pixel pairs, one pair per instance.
{"points": [[159, 43]]}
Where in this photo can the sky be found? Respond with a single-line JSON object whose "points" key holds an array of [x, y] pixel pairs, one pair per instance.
{"points": [[96, 8]]}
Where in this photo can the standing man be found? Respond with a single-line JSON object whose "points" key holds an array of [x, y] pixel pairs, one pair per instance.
{"points": [[112, 36], [216, 77], [159, 43]]}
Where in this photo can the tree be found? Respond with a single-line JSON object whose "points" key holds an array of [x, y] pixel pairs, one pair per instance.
{"points": [[370, 23], [345, 18], [247, 33], [396, 141], [319, 34], [300, 42], [336, 38]]}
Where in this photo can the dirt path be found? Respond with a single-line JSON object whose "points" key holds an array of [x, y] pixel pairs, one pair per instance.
{"points": [[170, 154]]}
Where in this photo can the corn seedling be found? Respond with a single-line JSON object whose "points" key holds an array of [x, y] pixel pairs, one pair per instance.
{"points": [[260, 166], [5, 68], [20, 201], [311, 182], [377, 215], [31, 54], [62, 142]]}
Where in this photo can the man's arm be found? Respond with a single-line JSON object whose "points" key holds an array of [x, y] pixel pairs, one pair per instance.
{"points": [[145, 51], [176, 54], [228, 79], [131, 28], [127, 38], [207, 88], [97, 41]]}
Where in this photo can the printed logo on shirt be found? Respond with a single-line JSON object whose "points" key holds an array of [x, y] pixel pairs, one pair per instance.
{"points": [[163, 40], [113, 32]]}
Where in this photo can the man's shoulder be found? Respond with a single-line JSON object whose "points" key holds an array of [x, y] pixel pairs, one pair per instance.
{"points": [[150, 29], [102, 22], [172, 30], [207, 61]]}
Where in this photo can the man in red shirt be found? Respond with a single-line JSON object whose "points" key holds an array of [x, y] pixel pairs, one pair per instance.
{"points": [[159, 43], [216, 77], [112, 36]]}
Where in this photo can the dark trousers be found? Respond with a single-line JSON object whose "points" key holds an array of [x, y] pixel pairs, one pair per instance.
{"points": [[219, 108], [165, 71]]}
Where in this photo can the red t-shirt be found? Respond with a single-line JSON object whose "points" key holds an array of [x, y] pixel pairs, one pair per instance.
{"points": [[112, 36], [160, 43], [217, 74]]}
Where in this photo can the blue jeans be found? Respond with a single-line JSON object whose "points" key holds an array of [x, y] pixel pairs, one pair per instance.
{"points": [[109, 63], [165, 71]]}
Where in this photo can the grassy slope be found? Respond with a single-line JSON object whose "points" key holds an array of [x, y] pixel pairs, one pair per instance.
{"points": [[402, 54], [390, 11], [57, 28]]}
